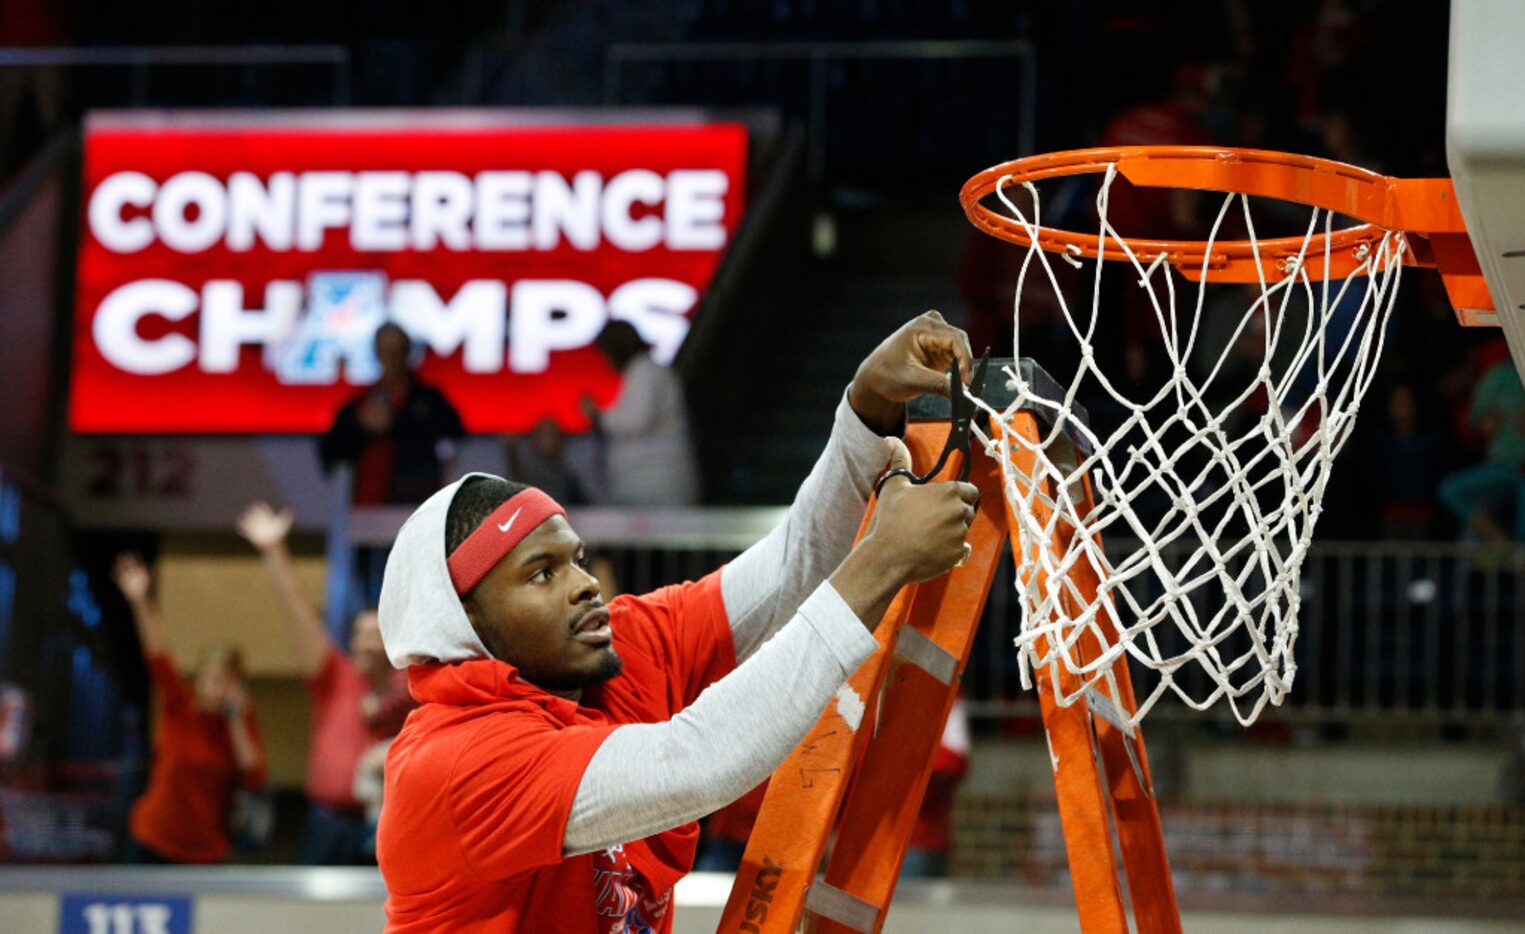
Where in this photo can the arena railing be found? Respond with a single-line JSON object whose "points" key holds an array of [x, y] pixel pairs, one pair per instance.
{"points": [[1428, 633], [138, 61]]}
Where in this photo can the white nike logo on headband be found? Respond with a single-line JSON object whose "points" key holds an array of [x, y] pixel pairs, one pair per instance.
{"points": [[505, 526]]}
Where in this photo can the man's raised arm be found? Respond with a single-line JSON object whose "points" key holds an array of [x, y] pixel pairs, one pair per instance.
{"points": [[648, 777], [764, 586]]}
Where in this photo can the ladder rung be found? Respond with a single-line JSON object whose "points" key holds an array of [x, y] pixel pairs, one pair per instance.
{"points": [[927, 655], [1104, 707], [828, 901]]}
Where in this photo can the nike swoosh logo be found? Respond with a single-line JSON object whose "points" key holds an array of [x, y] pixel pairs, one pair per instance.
{"points": [[505, 526]]}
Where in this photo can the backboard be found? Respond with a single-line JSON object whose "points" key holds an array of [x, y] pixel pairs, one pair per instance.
{"points": [[1485, 147]]}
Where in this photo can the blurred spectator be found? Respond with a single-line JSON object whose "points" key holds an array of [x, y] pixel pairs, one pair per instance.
{"points": [[650, 461], [1476, 494], [1164, 213], [370, 782], [1231, 347], [15, 726], [358, 700], [397, 433], [1173, 120], [539, 459], [726, 833], [727, 830], [932, 838], [1321, 54], [990, 271], [1406, 459], [206, 748]]}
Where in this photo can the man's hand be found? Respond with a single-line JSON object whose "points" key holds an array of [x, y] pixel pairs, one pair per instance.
{"points": [[912, 361], [375, 413], [235, 700], [916, 534], [132, 577], [263, 527], [919, 530]]}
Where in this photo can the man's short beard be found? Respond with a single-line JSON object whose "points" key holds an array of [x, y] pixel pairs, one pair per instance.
{"points": [[610, 665]]}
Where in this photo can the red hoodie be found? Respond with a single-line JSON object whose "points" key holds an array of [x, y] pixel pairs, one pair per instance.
{"points": [[480, 782]]}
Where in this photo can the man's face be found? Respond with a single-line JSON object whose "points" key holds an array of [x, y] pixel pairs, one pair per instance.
{"points": [[392, 352], [542, 612], [213, 682], [365, 645]]}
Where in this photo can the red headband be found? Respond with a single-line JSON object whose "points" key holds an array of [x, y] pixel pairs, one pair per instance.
{"points": [[497, 536]]}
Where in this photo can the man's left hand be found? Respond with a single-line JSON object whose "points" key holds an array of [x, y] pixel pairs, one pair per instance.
{"points": [[912, 361]]}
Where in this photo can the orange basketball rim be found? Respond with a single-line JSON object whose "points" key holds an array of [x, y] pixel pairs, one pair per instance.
{"points": [[1424, 210]]}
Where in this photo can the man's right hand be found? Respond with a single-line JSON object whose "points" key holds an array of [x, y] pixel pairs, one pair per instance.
{"points": [[919, 530], [375, 413], [132, 577], [263, 527]]}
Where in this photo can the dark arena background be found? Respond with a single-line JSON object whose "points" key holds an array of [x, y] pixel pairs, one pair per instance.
{"points": [[207, 210]]}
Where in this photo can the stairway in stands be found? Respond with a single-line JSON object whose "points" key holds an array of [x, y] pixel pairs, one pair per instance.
{"points": [[892, 262]]}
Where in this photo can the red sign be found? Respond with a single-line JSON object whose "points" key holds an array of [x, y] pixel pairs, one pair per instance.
{"points": [[231, 275]]}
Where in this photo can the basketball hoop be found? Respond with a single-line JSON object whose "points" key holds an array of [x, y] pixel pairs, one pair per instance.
{"points": [[1219, 471]]}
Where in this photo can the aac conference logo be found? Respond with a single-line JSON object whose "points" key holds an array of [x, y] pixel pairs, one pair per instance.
{"points": [[318, 330]]}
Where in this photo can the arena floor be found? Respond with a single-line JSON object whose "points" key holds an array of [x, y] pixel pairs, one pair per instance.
{"points": [[322, 901]]}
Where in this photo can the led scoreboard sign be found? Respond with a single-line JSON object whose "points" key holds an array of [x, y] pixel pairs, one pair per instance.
{"points": [[232, 271]]}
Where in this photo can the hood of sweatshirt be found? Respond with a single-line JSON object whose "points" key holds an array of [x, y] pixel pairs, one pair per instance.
{"points": [[421, 616]]}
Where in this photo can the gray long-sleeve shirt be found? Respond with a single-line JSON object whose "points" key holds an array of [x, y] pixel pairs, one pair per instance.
{"points": [[648, 777]]}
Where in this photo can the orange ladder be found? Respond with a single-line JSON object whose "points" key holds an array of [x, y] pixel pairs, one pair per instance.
{"points": [[865, 783]]}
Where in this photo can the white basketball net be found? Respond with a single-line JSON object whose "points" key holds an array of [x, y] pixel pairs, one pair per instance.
{"points": [[1208, 502]]}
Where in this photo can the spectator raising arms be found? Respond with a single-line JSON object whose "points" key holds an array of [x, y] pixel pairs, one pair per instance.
{"points": [[358, 700], [207, 744]]}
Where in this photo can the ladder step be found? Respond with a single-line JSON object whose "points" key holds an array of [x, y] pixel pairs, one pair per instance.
{"points": [[1104, 707], [845, 908], [927, 655]]}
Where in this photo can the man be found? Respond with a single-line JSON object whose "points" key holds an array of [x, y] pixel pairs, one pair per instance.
{"points": [[1473, 494], [358, 700], [207, 745], [563, 747], [650, 461], [396, 433]]}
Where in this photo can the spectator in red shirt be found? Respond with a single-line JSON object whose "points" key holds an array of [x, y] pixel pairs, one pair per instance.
{"points": [[358, 701], [206, 747], [932, 837], [563, 747], [1156, 213]]}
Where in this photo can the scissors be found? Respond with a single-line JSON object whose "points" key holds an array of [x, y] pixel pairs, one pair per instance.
{"points": [[962, 416]]}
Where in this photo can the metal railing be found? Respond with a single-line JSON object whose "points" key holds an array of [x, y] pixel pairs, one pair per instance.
{"points": [[817, 57], [139, 61], [1423, 632]]}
